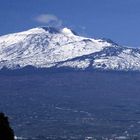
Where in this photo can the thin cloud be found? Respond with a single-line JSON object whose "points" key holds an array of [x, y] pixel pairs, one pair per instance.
{"points": [[49, 19]]}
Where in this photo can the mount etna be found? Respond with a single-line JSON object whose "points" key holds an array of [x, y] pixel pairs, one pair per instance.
{"points": [[49, 47]]}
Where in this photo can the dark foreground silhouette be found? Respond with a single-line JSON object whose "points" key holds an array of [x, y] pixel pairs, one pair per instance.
{"points": [[6, 133]]}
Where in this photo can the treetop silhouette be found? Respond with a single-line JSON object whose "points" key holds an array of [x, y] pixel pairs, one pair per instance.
{"points": [[6, 132]]}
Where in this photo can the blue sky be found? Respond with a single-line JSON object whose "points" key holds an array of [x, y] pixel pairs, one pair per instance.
{"points": [[118, 20]]}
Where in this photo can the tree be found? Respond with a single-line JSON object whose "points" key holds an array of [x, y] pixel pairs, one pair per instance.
{"points": [[6, 132]]}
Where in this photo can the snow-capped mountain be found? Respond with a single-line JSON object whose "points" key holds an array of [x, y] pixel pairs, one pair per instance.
{"points": [[46, 47]]}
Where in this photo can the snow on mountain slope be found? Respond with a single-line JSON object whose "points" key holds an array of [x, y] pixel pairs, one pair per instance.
{"points": [[45, 47], [110, 58]]}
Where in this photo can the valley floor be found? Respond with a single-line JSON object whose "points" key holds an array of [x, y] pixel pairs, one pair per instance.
{"points": [[72, 105]]}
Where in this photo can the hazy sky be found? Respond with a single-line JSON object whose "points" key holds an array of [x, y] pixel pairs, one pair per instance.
{"points": [[118, 20]]}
